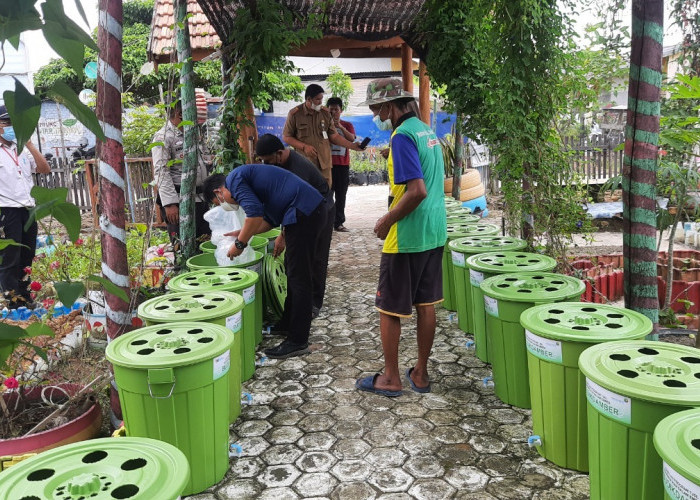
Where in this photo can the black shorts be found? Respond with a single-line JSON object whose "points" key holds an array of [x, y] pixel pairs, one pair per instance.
{"points": [[409, 279]]}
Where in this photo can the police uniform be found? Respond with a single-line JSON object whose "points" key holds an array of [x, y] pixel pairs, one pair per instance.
{"points": [[168, 178], [313, 128]]}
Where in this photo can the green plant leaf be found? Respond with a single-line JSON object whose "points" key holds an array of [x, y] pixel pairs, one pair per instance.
{"points": [[109, 286], [24, 109], [6, 243], [47, 195], [84, 114], [69, 291], [36, 329], [81, 11], [68, 215], [10, 333], [17, 16]]}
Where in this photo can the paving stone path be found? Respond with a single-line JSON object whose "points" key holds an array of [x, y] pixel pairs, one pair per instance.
{"points": [[308, 433]]}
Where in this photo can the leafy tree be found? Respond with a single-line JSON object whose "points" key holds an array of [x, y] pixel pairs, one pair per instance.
{"points": [[340, 84]]}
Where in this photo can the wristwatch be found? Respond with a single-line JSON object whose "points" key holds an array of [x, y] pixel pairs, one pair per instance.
{"points": [[239, 244]]}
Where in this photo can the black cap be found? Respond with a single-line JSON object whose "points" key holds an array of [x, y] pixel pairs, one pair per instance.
{"points": [[4, 115], [268, 144]]}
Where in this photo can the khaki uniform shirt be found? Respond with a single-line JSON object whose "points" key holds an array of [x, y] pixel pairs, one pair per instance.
{"points": [[167, 177], [313, 128]]}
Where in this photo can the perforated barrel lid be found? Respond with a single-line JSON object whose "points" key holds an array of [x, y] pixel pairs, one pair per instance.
{"points": [[488, 243], [532, 287], [461, 229], [510, 262], [203, 305], [585, 322], [677, 439], [169, 345], [653, 371], [100, 469], [226, 279], [465, 218]]}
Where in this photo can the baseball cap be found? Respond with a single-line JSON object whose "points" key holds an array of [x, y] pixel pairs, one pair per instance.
{"points": [[385, 90], [4, 115]]}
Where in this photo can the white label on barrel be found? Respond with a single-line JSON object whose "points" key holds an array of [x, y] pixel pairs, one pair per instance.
{"points": [[476, 277], [234, 322], [249, 294], [678, 487], [547, 349], [457, 259], [221, 364], [609, 403], [491, 305], [256, 267]]}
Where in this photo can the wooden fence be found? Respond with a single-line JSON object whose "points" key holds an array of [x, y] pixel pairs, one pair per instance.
{"points": [[67, 174], [596, 158]]}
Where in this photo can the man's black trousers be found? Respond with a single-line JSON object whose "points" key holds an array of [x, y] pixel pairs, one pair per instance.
{"points": [[16, 258]]}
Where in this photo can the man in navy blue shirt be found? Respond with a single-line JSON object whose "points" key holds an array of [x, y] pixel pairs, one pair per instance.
{"points": [[272, 197]]}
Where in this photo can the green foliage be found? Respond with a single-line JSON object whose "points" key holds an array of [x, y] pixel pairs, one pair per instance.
{"points": [[369, 160], [138, 12], [51, 202], [260, 46], [140, 125], [340, 84], [686, 16], [278, 85]]}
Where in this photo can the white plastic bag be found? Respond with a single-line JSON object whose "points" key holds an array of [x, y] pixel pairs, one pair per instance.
{"points": [[221, 222]]}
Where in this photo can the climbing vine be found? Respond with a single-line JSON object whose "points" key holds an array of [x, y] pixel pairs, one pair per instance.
{"points": [[258, 46]]}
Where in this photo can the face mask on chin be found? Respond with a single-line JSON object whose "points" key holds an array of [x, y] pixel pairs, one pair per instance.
{"points": [[382, 125], [226, 206], [9, 134], [316, 107]]}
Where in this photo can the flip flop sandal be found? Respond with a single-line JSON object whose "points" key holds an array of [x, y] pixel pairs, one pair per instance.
{"points": [[367, 384], [415, 388]]}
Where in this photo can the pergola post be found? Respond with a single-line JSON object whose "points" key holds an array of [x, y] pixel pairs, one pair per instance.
{"points": [[407, 67], [424, 93]]}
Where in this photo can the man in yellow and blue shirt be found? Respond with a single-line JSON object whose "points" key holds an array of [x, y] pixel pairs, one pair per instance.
{"points": [[414, 231]]}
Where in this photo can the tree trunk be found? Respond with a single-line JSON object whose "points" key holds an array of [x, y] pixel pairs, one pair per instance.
{"points": [[110, 158], [189, 116], [640, 162], [459, 158]]}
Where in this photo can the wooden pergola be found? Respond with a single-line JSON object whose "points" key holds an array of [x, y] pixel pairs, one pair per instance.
{"points": [[355, 28]]}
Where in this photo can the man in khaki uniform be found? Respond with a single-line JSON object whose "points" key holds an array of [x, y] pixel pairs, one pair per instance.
{"points": [[309, 129], [169, 177]]}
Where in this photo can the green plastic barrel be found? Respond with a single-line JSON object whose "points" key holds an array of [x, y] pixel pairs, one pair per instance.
{"points": [[677, 441], [240, 281], [257, 243], [459, 250], [174, 386], [631, 386], [486, 265], [207, 261], [506, 296], [215, 307], [454, 231], [271, 235], [100, 469], [555, 337]]}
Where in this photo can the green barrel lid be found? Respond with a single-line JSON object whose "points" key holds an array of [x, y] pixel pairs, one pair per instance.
{"points": [[449, 200], [272, 233], [532, 287], [203, 305], [462, 229], [208, 261], [169, 345], [100, 469], [453, 219], [677, 440], [585, 322], [486, 243], [659, 372], [227, 279], [510, 262]]}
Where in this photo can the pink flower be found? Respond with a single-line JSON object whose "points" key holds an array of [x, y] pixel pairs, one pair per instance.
{"points": [[11, 383], [35, 286], [160, 251], [27, 270], [55, 264], [79, 242], [48, 303]]}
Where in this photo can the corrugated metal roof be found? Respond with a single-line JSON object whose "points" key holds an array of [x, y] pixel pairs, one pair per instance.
{"points": [[213, 21]]}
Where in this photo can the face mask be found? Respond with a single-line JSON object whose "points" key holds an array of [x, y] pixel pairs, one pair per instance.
{"points": [[226, 206], [382, 125], [316, 107], [9, 134]]}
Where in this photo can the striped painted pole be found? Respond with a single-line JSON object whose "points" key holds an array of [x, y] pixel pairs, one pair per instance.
{"points": [[640, 161], [189, 114]]}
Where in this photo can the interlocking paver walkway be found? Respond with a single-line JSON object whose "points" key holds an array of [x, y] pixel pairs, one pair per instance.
{"points": [[308, 433]]}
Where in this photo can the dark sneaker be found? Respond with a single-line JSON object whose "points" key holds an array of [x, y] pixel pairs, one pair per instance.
{"points": [[287, 349], [342, 229]]}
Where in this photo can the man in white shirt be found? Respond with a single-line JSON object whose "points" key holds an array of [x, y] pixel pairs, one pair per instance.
{"points": [[168, 177], [15, 202]]}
